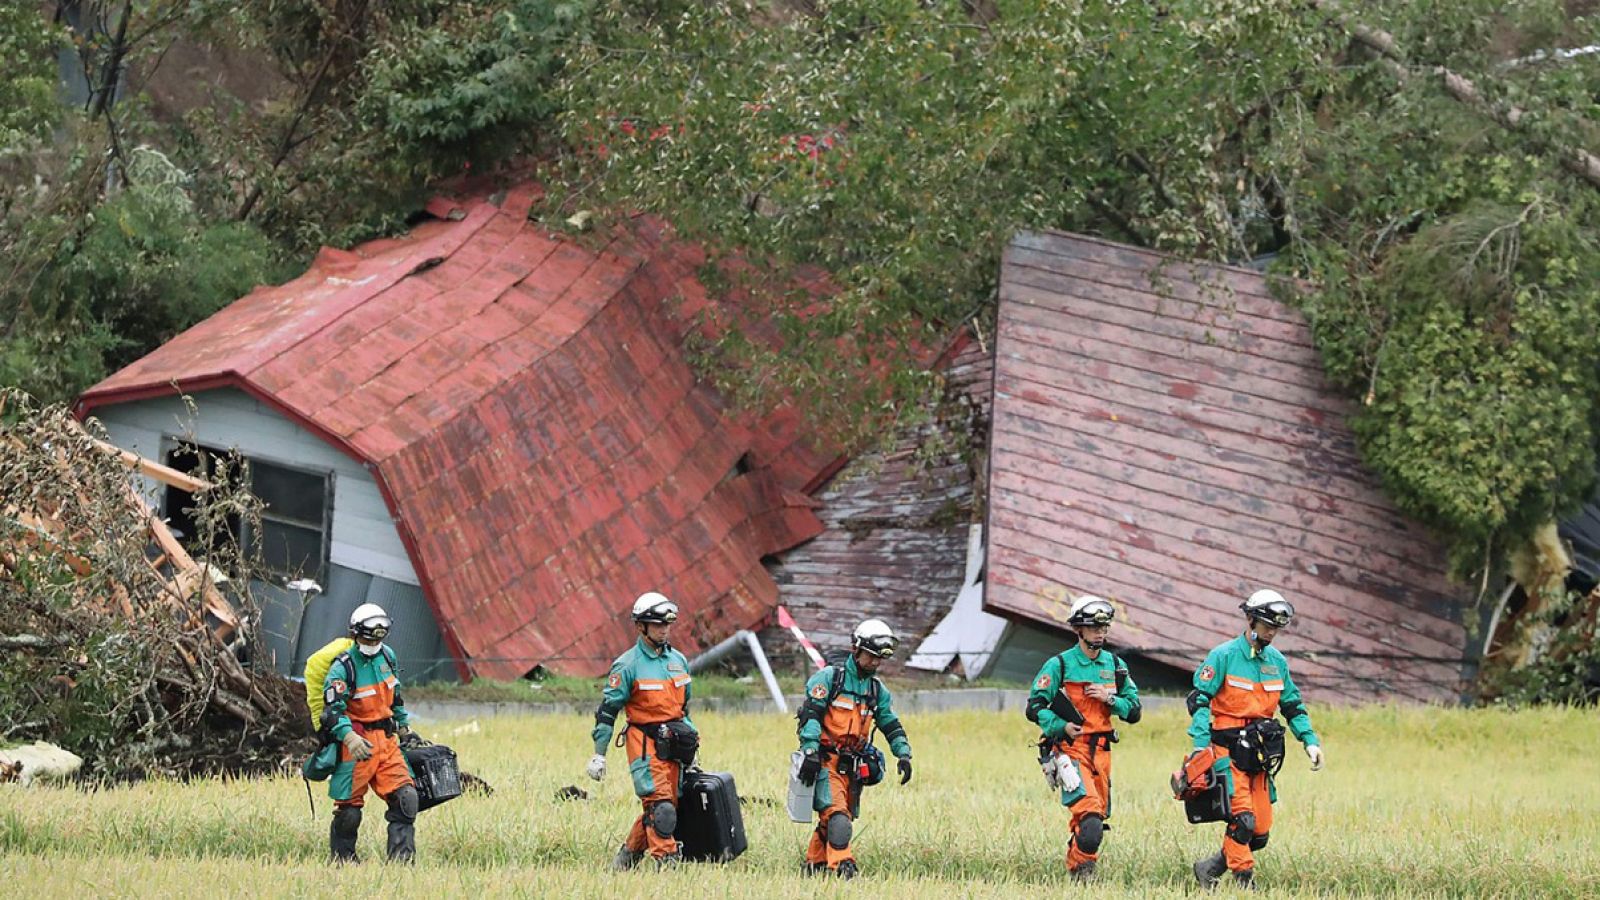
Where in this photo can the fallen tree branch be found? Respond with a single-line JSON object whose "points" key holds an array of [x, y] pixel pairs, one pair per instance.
{"points": [[1576, 160]]}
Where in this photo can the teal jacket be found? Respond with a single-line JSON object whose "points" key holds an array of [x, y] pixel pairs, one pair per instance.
{"points": [[374, 695], [1073, 671], [649, 685], [1236, 685], [818, 711]]}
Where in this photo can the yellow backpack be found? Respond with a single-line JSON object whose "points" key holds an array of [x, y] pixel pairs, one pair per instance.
{"points": [[317, 672]]}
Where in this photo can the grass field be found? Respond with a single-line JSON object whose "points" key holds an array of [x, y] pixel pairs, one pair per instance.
{"points": [[1447, 803]]}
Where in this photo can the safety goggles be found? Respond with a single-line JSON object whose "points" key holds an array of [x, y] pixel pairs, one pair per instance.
{"points": [[373, 629]]}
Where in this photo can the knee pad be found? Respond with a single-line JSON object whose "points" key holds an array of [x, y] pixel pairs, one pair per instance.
{"points": [[1258, 842], [1242, 828], [839, 829], [1091, 829], [346, 819], [664, 818], [402, 805]]}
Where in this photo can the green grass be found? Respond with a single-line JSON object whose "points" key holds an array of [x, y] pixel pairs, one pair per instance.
{"points": [[1440, 803]]}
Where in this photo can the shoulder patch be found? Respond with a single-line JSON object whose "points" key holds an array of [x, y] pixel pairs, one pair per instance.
{"points": [[1044, 682], [615, 680], [1207, 673], [820, 692]]}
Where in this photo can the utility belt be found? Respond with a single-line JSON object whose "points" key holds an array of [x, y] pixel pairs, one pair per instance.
{"points": [[863, 765], [674, 740], [385, 725], [1256, 746]]}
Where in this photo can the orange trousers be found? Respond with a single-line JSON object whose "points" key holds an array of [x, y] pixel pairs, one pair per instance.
{"points": [[1094, 765], [385, 771], [819, 850], [662, 785], [1253, 794]]}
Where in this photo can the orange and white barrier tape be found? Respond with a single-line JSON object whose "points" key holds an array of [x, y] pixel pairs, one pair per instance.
{"points": [[787, 621]]}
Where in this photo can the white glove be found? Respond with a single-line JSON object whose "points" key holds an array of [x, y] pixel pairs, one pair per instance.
{"points": [[597, 767], [357, 747], [1315, 753]]}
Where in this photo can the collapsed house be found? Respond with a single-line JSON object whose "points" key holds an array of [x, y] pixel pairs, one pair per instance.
{"points": [[490, 430], [495, 433], [1159, 433]]}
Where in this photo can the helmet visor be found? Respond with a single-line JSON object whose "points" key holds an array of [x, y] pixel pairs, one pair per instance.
{"points": [[1094, 614], [881, 646], [1277, 614], [660, 614], [373, 629]]}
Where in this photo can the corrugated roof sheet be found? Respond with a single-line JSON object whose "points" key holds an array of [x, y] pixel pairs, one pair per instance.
{"points": [[526, 406], [1163, 436]]}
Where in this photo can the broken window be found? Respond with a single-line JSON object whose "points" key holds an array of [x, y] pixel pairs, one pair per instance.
{"points": [[295, 519]]}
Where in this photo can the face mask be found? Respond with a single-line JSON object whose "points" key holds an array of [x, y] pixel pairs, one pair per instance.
{"points": [[369, 651]]}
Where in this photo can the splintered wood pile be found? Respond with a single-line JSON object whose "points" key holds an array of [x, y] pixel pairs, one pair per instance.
{"points": [[108, 615]]}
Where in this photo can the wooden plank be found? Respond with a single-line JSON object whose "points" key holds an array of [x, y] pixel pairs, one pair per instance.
{"points": [[1339, 605], [1121, 264], [1088, 337], [1246, 539], [1266, 485], [1200, 321], [1199, 501]]}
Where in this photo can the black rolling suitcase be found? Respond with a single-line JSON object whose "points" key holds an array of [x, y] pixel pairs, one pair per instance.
{"points": [[710, 825], [434, 769]]}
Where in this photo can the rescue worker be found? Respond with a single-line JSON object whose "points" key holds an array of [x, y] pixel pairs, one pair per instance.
{"points": [[651, 683], [1237, 691], [363, 711], [844, 704], [1090, 685]]}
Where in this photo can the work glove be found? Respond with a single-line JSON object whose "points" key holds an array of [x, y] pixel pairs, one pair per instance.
{"points": [[810, 768], [1315, 753], [596, 767], [905, 769], [410, 739], [357, 747]]}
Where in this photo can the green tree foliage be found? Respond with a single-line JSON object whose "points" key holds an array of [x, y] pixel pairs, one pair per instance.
{"points": [[339, 116], [900, 143], [27, 85]]}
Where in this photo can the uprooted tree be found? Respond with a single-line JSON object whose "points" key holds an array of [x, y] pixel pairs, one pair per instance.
{"points": [[114, 642]]}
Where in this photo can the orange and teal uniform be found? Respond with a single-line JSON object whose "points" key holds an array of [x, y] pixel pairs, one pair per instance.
{"points": [[368, 704], [838, 726], [1235, 687], [650, 687], [1071, 672]]}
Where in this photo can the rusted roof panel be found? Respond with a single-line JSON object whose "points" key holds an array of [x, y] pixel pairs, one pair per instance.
{"points": [[1163, 436], [527, 408]]}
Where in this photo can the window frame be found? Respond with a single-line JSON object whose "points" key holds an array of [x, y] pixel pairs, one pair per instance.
{"points": [[171, 444]]}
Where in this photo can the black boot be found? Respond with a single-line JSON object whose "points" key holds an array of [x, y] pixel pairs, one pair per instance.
{"points": [[625, 859], [402, 817], [811, 868], [1246, 880], [847, 870], [342, 834], [1209, 871], [1084, 871]]}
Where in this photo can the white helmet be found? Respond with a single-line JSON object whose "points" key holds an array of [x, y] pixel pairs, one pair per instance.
{"points": [[1267, 605], [876, 637], [1091, 610], [369, 621], [652, 607]]}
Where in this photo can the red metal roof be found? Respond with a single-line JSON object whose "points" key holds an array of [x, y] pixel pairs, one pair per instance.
{"points": [[527, 409], [1163, 436]]}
